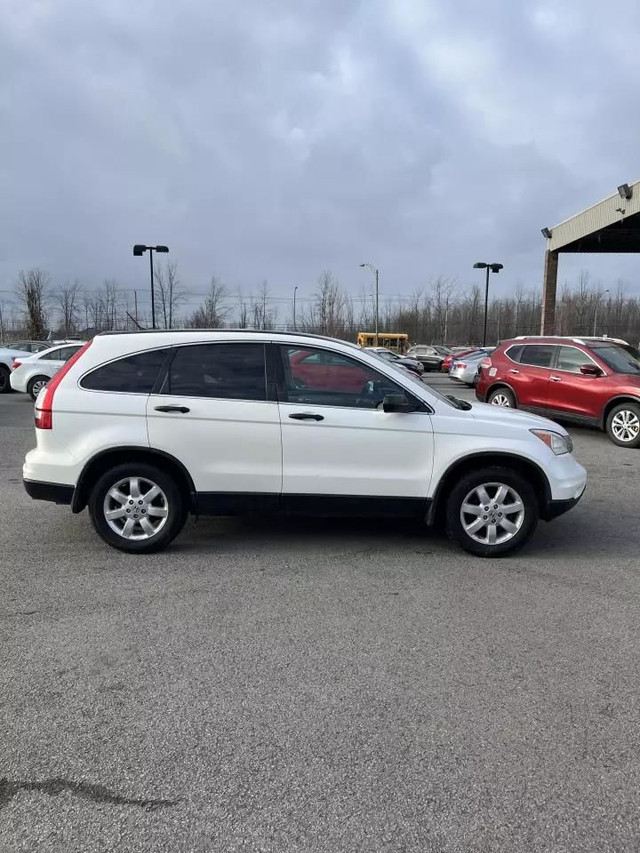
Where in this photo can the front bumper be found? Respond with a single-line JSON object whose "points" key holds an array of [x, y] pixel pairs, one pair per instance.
{"points": [[555, 508]]}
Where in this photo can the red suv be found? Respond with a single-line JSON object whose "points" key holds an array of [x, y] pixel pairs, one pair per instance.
{"points": [[590, 381]]}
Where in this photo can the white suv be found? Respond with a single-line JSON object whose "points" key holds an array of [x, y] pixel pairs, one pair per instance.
{"points": [[146, 427]]}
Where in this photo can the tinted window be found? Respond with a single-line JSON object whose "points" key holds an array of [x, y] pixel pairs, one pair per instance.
{"points": [[571, 358], [135, 374], [514, 353], [620, 358], [332, 379], [225, 371], [538, 355], [65, 353]]}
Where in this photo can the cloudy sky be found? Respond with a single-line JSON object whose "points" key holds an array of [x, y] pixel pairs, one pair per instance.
{"points": [[272, 139]]}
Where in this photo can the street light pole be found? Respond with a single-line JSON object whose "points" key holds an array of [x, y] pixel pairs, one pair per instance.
{"points": [[495, 268], [595, 313], [376, 273], [138, 251], [295, 290]]}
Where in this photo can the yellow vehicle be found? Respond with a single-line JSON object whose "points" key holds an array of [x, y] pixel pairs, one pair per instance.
{"points": [[394, 342]]}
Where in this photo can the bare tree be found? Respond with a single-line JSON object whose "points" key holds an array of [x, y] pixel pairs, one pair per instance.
{"points": [[170, 293], [212, 312], [33, 292], [68, 300]]}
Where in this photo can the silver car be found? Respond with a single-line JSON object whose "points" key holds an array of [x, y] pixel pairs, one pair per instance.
{"points": [[465, 369]]}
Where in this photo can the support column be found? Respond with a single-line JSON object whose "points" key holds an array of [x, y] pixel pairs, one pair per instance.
{"points": [[549, 287]]}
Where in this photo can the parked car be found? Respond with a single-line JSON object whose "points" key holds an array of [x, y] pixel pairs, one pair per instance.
{"points": [[27, 346], [7, 358], [143, 428], [410, 363], [428, 356], [589, 381], [455, 353], [465, 369], [31, 374]]}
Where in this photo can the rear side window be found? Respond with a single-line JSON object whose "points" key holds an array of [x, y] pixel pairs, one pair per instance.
{"points": [[514, 353], [537, 355], [224, 371], [135, 374]]}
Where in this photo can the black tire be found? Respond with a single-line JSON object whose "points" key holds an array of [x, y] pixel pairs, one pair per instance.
{"points": [[5, 384], [623, 425], [491, 477], [31, 385], [175, 503], [507, 394]]}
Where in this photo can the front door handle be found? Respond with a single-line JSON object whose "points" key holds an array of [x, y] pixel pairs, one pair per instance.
{"points": [[306, 416], [555, 378], [182, 409]]}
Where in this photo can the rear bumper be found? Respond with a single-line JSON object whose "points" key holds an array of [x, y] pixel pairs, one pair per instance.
{"points": [[54, 492]]}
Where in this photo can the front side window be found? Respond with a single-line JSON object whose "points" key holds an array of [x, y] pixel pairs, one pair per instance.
{"points": [[135, 374], [572, 359], [537, 355], [331, 379], [225, 371]]}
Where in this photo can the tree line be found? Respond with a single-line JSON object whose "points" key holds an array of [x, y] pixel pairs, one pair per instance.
{"points": [[442, 312]]}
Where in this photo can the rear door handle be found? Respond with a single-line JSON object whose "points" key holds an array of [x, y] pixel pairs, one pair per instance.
{"points": [[514, 371], [555, 378], [306, 416], [182, 409]]}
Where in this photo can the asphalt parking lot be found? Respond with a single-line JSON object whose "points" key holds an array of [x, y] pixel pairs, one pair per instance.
{"points": [[320, 686]]}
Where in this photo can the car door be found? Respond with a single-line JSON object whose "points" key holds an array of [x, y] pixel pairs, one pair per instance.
{"points": [[214, 415], [339, 445], [570, 391], [529, 377]]}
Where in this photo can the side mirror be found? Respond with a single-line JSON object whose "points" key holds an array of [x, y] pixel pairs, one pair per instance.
{"points": [[397, 403], [590, 370]]}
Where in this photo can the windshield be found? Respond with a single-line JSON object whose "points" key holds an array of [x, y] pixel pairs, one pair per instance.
{"points": [[622, 359]]}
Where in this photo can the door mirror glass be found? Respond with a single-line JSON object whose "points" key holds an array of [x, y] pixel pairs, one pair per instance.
{"points": [[590, 370], [397, 403]]}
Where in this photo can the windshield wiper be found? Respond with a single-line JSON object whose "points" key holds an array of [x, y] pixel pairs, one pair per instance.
{"points": [[459, 404]]}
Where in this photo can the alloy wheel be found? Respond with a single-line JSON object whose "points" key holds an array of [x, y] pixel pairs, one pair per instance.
{"points": [[136, 508], [625, 425], [501, 400], [492, 513]]}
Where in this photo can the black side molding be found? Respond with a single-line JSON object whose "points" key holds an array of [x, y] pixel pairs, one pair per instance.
{"points": [[54, 492]]}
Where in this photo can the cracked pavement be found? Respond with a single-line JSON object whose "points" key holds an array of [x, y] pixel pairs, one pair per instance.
{"points": [[319, 685]]}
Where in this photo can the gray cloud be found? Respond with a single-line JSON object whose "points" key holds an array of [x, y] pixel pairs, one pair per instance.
{"points": [[275, 139]]}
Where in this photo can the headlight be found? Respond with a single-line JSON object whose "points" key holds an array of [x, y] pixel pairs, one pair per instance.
{"points": [[557, 443]]}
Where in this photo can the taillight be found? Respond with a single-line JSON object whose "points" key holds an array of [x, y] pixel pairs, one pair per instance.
{"points": [[44, 411], [461, 365], [16, 363], [486, 362]]}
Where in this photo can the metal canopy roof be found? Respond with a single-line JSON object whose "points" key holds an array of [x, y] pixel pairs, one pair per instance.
{"points": [[611, 225]]}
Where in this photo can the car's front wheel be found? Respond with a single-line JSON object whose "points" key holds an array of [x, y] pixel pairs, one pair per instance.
{"points": [[136, 507], [623, 425], [492, 512], [35, 386]]}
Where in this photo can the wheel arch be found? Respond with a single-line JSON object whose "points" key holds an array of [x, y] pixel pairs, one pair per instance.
{"points": [[106, 459], [500, 383], [613, 402], [467, 464]]}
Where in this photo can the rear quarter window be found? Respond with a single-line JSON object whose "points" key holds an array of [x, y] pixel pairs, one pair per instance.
{"points": [[134, 374], [513, 353]]}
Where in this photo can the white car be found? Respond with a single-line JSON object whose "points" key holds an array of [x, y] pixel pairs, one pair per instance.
{"points": [[7, 359], [146, 427], [31, 373]]}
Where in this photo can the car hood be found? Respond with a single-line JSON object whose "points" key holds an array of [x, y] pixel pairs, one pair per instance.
{"points": [[499, 414]]}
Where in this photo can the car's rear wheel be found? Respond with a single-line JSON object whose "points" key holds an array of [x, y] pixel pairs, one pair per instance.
{"points": [[503, 397], [623, 425], [5, 384], [35, 386], [136, 507], [492, 512]]}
